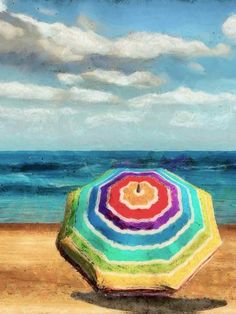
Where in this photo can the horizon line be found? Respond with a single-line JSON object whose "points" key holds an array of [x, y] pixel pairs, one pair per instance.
{"points": [[112, 150]]}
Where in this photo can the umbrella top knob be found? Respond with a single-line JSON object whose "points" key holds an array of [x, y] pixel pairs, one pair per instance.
{"points": [[138, 189]]}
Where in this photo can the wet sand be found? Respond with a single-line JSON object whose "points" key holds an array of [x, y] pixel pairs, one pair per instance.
{"points": [[34, 278]]}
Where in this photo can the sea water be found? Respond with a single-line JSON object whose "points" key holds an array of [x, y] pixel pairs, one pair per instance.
{"points": [[33, 185]]}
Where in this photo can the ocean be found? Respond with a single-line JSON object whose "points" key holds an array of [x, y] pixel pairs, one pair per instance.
{"points": [[33, 185]]}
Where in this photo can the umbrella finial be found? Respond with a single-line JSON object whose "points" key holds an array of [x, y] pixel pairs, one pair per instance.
{"points": [[138, 188]]}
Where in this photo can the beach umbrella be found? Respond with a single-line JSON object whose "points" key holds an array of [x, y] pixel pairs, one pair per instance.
{"points": [[134, 230]]}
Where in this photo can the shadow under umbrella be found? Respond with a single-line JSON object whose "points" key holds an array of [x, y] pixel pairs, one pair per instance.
{"points": [[150, 304]]}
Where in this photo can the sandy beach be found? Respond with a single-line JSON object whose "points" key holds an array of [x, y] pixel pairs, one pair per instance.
{"points": [[34, 278]]}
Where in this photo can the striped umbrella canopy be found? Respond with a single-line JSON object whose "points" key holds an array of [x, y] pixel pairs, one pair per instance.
{"points": [[139, 230]]}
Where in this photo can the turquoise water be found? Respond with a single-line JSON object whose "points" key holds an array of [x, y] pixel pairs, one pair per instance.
{"points": [[33, 185]]}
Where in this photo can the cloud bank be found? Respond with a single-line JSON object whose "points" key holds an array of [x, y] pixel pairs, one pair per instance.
{"points": [[183, 96], [87, 59], [137, 79], [58, 42], [187, 119], [17, 90]]}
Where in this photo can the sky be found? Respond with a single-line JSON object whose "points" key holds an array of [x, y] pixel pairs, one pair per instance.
{"points": [[117, 75]]}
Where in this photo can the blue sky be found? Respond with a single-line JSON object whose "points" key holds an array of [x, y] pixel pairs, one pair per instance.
{"points": [[144, 75]]}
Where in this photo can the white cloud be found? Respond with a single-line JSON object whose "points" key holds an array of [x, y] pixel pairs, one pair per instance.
{"points": [[17, 90], [64, 42], [151, 45], [196, 67], [82, 94], [3, 6], [25, 121], [25, 114], [47, 11], [69, 79], [121, 117], [229, 27], [9, 31], [180, 96], [183, 95], [138, 79], [59, 42], [188, 119], [90, 95], [22, 37]]}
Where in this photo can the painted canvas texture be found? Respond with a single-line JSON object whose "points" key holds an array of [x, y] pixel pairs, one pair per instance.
{"points": [[117, 156]]}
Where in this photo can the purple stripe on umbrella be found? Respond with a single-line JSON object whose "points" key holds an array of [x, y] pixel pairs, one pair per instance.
{"points": [[142, 225]]}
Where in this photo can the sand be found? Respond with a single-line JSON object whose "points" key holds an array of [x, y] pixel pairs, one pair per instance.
{"points": [[34, 278]]}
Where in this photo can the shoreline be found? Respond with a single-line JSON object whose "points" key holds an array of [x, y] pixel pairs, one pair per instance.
{"points": [[35, 226], [56, 225], [35, 278]]}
